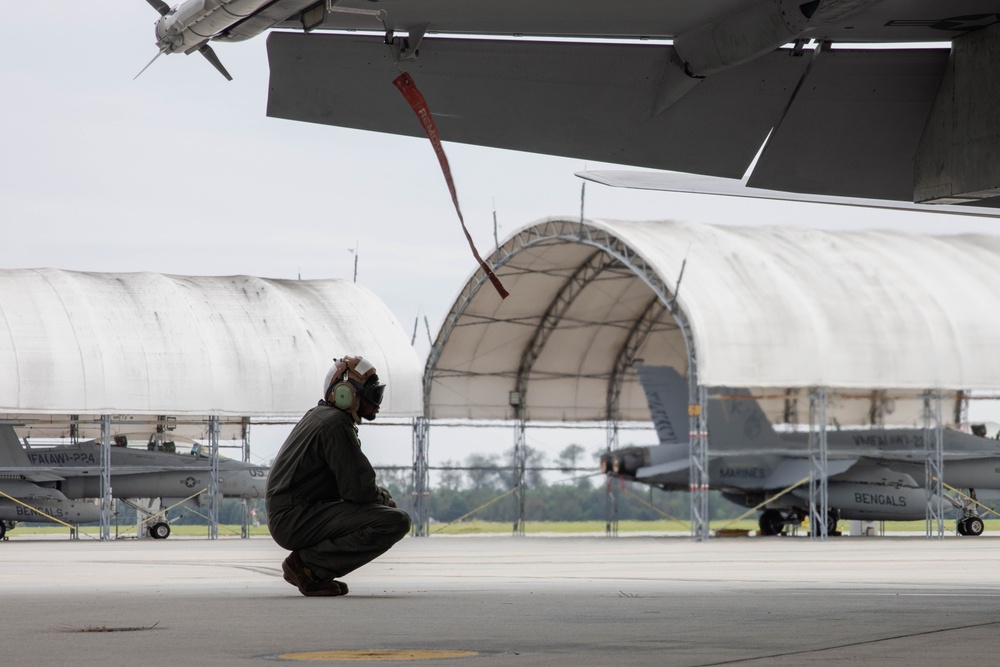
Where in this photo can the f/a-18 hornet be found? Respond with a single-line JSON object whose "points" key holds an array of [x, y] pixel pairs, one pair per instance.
{"points": [[59, 482], [874, 474]]}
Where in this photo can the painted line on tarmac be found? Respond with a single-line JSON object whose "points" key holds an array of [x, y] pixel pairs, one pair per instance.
{"points": [[375, 655]]}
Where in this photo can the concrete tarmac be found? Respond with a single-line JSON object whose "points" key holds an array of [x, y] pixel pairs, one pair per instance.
{"points": [[501, 601]]}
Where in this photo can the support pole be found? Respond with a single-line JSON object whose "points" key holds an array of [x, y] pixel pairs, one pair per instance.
{"points": [[213, 485], [699, 483], [421, 495], [614, 483], [245, 528], [105, 478], [819, 499], [520, 456], [934, 465]]}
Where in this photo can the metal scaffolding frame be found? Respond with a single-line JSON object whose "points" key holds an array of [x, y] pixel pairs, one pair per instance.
{"points": [[819, 499], [699, 485], [245, 435], [105, 478], [213, 478], [934, 465], [520, 462], [421, 477]]}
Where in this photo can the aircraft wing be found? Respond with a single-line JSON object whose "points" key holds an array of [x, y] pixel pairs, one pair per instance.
{"points": [[792, 471], [584, 100], [851, 128], [672, 181], [649, 474]]}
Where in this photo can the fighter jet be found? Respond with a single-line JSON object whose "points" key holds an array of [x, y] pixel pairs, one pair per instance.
{"points": [[874, 474], [755, 96], [42, 483]]}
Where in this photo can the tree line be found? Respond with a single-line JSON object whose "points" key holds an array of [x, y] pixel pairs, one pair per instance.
{"points": [[478, 485]]}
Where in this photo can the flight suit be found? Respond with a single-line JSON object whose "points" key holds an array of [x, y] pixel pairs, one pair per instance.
{"points": [[322, 500]]}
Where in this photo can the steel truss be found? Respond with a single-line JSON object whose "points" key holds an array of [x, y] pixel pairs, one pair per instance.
{"points": [[245, 433], [421, 477], [819, 499], [608, 247], [213, 479], [698, 418], [934, 465], [105, 478]]}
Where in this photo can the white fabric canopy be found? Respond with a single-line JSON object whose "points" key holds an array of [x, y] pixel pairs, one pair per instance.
{"points": [[149, 344], [774, 309]]}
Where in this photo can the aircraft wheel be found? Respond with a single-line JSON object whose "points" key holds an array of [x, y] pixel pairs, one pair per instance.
{"points": [[771, 522], [832, 517], [960, 527], [3, 529], [159, 531], [974, 526]]}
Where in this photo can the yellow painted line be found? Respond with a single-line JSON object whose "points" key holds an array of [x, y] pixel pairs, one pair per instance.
{"points": [[374, 655]]}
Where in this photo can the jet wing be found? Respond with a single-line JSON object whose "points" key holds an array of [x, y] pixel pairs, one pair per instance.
{"points": [[650, 473], [583, 100], [792, 471], [672, 181], [851, 129]]}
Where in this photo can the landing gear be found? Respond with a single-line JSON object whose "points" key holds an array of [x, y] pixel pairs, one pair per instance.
{"points": [[3, 529], [159, 531], [771, 522], [970, 525], [832, 517]]}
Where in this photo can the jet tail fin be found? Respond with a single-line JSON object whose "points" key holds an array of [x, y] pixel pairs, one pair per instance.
{"points": [[12, 456], [11, 453], [667, 395]]}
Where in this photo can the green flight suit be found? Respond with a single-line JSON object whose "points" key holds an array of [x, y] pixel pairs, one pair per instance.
{"points": [[322, 500]]}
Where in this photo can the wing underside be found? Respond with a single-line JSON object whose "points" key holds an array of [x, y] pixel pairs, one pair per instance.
{"points": [[845, 123]]}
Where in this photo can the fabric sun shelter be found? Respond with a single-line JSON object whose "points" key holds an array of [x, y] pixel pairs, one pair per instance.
{"points": [[878, 316], [76, 343]]}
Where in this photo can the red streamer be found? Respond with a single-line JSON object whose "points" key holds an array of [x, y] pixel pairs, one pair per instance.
{"points": [[404, 82]]}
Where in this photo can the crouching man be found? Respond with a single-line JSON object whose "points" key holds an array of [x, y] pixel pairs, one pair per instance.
{"points": [[322, 501]]}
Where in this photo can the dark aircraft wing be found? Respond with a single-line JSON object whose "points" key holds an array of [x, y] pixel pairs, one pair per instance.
{"points": [[851, 131], [899, 124], [672, 181], [582, 100]]}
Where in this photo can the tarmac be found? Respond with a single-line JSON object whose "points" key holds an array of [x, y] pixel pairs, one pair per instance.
{"points": [[500, 601]]}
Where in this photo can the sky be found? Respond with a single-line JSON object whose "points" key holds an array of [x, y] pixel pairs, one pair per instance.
{"points": [[180, 172]]}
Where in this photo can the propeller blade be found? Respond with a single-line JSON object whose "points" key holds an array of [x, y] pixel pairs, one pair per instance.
{"points": [[159, 6], [158, 54], [210, 56]]}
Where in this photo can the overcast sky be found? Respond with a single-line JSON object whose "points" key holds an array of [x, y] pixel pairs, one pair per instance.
{"points": [[181, 172]]}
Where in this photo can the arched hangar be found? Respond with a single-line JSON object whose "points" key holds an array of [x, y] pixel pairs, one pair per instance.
{"points": [[877, 320], [102, 355]]}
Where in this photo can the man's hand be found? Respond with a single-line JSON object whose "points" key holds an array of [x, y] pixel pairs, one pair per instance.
{"points": [[385, 498]]}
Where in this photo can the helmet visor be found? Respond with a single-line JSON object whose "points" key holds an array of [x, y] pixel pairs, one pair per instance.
{"points": [[374, 391]]}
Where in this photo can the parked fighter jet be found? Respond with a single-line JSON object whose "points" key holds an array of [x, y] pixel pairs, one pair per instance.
{"points": [[874, 474], [58, 481]]}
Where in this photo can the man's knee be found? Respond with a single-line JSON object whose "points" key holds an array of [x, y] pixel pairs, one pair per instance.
{"points": [[396, 523]]}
